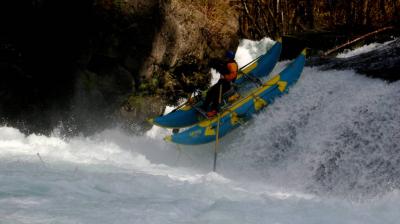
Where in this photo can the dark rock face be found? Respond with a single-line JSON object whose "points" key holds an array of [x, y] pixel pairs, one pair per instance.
{"points": [[39, 44], [78, 61], [381, 63]]}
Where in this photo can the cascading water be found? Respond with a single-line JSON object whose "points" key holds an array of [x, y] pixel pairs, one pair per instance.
{"points": [[335, 133], [327, 152]]}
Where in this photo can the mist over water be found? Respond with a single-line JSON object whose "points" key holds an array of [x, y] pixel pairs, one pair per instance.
{"points": [[327, 152]]}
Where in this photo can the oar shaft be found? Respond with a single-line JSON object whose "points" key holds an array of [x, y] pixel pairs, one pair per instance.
{"points": [[244, 66], [217, 132]]}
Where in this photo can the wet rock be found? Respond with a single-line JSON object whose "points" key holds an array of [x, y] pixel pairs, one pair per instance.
{"points": [[383, 63], [136, 111]]}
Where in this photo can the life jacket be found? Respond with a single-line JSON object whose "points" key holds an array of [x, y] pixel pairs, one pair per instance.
{"points": [[231, 71]]}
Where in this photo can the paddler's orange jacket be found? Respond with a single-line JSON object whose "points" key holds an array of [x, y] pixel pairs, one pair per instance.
{"points": [[232, 68]]}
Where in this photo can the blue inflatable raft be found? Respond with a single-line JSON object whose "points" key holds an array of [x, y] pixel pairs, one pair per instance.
{"points": [[242, 109]]}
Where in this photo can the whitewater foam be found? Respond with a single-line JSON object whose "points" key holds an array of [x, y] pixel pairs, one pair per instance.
{"points": [[361, 50]]}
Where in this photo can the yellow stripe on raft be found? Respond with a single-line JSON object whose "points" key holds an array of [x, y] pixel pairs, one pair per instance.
{"points": [[282, 85], [259, 103], [304, 52], [234, 118], [274, 80], [209, 131], [186, 108], [249, 68]]}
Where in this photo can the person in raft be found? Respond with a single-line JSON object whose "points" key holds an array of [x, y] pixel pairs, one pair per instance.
{"points": [[228, 70]]}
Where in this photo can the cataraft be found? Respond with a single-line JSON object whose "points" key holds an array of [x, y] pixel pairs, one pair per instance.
{"points": [[233, 115], [190, 113]]}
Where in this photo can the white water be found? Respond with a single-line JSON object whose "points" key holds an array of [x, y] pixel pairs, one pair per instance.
{"points": [[269, 170], [361, 50]]}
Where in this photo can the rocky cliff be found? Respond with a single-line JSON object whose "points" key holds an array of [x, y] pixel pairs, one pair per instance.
{"points": [[82, 61]]}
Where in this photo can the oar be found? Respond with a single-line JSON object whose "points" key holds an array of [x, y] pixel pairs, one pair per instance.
{"points": [[189, 100], [249, 76], [217, 132], [244, 66]]}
